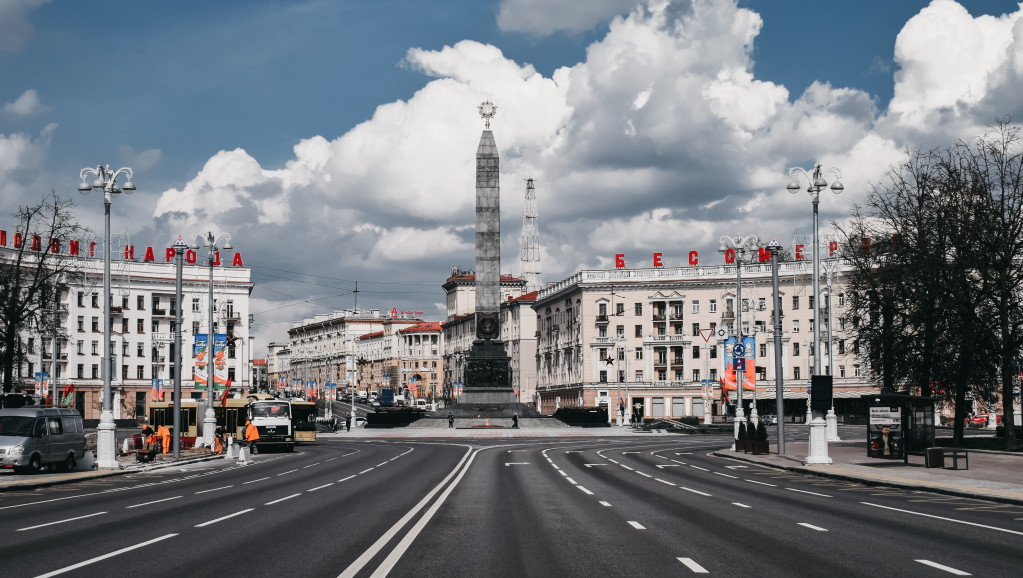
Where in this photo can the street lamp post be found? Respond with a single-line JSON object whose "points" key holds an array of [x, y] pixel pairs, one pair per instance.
{"points": [[738, 246], [106, 181], [831, 421], [779, 390], [816, 183], [179, 257], [209, 241]]}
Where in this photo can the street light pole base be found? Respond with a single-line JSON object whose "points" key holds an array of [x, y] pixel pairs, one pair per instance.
{"points": [[832, 426], [209, 426], [740, 416], [106, 442], [818, 443]]}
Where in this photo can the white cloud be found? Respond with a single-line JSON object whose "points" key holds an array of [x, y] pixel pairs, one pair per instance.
{"points": [[25, 105], [15, 29], [543, 17]]}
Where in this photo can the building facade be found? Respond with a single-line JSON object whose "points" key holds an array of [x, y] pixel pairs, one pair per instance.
{"points": [[631, 339]]}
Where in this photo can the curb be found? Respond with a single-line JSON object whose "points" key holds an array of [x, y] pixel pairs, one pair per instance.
{"points": [[875, 482], [97, 474]]}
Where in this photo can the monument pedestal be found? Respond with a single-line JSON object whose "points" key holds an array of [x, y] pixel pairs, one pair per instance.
{"points": [[488, 391]]}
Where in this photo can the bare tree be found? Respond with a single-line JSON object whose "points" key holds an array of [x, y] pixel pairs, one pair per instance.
{"points": [[31, 266]]}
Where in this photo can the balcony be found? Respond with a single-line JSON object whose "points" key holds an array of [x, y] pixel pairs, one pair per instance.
{"points": [[232, 315], [659, 316], [602, 318], [677, 316], [670, 338]]}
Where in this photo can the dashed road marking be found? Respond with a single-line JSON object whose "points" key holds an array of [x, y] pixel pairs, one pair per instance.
{"points": [[605, 504], [153, 502], [222, 518], [636, 525], [60, 521], [806, 492], [282, 499], [695, 491], [948, 569], [740, 505], [812, 527], [726, 475], [215, 489], [256, 480], [696, 568], [762, 483], [320, 487], [584, 489]]}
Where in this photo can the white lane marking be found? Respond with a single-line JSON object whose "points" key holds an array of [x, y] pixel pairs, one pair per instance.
{"points": [[311, 465], [573, 451], [628, 468], [563, 472], [153, 502], [696, 568], [683, 453], [943, 518], [811, 493], [623, 453], [642, 474], [678, 462], [591, 465], [506, 464], [699, 468], [726, 475], [256, 480], [636, 525], [694, 491], [740, 505], [288, 472], [812, 527], [571, 481], [948, 569], [605, 504], [550, 460], [222, 518], [761, 483], [346, 479], [215, 489], [612, 461], [735, 467], [60, 521], [665, 482], [330, 459], [397, 551], [366, 470], [584, 489], [667, 466], [105, 556], [320, 487], [382, 464], [282, 499]]}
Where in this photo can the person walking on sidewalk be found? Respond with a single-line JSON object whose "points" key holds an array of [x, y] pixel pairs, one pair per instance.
{"points": [[251, 436], [451, 421]]}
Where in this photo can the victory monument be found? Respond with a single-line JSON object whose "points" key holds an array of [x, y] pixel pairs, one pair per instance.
{"points": [[488, 389]]}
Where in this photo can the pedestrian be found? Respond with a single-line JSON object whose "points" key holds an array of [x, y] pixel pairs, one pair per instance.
{"points": [[451, 421], [218, 443], [164, 434], [348, 422], [251, 436], [515, 420]]}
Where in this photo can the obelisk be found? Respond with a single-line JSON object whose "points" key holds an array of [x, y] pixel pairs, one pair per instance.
{"points": [[488, 372]]}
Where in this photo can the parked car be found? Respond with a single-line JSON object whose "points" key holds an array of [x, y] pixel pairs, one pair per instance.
{"points": [[32, 438], [769, 419], [359, 422]]}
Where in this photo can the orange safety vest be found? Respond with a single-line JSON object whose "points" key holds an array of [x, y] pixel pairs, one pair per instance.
{"points": [[218, 448], [165, 433], [251, 433]]}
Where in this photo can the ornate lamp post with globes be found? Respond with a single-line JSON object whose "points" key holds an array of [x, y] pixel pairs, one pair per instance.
{"points": [[816, 183], [106, 181], [209, 241]]}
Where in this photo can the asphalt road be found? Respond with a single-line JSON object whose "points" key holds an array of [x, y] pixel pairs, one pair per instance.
{"points": [[515, 507]]}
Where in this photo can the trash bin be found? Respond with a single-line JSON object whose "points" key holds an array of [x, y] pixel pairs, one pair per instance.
{"points": [[935, 457]]}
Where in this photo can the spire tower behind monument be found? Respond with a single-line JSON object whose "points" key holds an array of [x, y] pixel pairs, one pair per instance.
{"points": [[529, 258]]}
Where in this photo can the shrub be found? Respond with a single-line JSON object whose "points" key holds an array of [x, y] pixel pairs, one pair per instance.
{"points": [[761, 432], [742, 431], [1000, 431]]}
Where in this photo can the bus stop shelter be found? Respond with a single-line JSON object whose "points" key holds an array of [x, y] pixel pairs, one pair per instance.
{"points": [[899, 425]]}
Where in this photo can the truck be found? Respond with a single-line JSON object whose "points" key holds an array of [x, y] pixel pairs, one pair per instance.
{"points": [[363, 395], [386, 397], [272, 418]]}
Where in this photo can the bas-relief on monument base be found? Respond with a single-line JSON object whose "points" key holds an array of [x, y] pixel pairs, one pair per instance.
{"points": [[488, 391]]}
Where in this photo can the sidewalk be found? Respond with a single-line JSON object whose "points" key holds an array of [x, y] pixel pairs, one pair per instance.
{"points": [[994, 476]]}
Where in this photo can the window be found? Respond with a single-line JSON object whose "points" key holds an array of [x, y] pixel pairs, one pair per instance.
{"points": [[602, 353], [696, 352], [795, 301], [795, 350], [713, 305], [95, 301], [856, 370], [195, 328], [810, 323], [762, 304], [619, 309], [95, 371], [696, 329], [195, 304], [140, 371], [81, 323], [124, 302], [81, 299], [841, 347], [639, 331], [841, 371], [713, 374], [156, 326], [621, 353], [696, 306], [81, 371], [841, 299], [795, 326], [140, 303], [124, 348], [662, 375], [140, 349], [124, 372], [809, 302], [124, 325], [95, 347], [602, 310], [841, 323], [81, 347], [602, 331], [763, 350], [696, 375], [620, 331], [795, 373], [639, 309], [603, 376], [140, 326], [639, 375], [729, 305], [95, 324], [621, 375], [639, 354], [713, 351]]}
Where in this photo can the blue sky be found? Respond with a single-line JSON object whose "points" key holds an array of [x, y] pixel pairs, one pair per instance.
{"points": [[335, 140]]}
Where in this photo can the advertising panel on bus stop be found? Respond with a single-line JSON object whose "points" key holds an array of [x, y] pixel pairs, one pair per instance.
{"points": [[884, 432]]}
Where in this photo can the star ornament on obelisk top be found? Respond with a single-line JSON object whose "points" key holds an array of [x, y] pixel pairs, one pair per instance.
{"points": [[487, 111]]}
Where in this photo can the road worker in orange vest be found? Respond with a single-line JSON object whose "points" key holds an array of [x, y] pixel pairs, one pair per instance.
{"points": [[163, 432], [251, 436]]}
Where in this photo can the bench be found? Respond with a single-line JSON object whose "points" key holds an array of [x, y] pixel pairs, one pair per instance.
{"points": [[956, 454]]}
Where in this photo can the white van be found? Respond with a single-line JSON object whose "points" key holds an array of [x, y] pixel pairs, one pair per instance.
{"points": [[33, 437], [420, 403]]}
